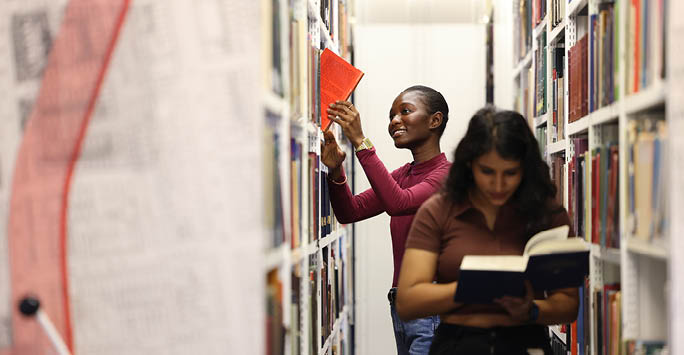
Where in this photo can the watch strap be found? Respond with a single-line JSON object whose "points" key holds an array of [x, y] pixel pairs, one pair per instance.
{"points": [[365, 144]]}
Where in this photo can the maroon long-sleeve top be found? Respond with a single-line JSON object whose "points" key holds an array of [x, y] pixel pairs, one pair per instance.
{"points": [[399, 193]]}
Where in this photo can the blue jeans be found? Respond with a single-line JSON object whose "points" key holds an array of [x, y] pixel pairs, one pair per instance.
{"points": [[413, 337]]}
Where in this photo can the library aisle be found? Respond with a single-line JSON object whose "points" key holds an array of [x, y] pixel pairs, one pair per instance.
{"points": [[161, 184]]}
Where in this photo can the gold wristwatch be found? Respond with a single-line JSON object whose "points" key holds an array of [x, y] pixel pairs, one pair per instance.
{"points": [[365, 144]]}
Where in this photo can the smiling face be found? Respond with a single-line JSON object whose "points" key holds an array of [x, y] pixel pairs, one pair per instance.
{"points": [[410, 122], [496, 179]]}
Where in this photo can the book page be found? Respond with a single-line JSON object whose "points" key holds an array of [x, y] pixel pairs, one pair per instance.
{"points": [[559, 246], [494, 262], [557, 233]]}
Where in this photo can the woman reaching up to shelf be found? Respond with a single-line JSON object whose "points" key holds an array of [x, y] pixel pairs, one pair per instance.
{"points": [[417, 119], [497, 195]]}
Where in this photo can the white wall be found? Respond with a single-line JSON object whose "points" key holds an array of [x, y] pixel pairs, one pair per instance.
{"points": [[503, 54], [447, 57]]}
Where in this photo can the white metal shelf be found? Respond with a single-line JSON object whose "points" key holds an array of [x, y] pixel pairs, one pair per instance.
{"points": [[275, 257], [611, 255], [652, 96], [541, 27], [556, 329], [556, 147], [555, 33], [336, 329], [605, 114], [645, 248], [575, 6], [324, 242], [579, 126], [274, 103], [278, 256], [523, 64], [541, 120]]}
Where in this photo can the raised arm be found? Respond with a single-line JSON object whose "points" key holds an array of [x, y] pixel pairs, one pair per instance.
{"points": [[349, 208]]}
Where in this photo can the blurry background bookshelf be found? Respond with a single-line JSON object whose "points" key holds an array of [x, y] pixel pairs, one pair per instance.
{"points": [[308, 269], [590, 76]]}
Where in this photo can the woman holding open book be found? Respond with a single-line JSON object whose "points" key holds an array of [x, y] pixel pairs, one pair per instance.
{"points": [[417, 119], [497, 195]]}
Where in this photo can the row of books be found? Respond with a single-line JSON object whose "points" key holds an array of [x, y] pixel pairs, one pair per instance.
{"points": [[601, 306], [540, 77], [297, 205], [275, 330], [599, 201], [578, 87], [530, 13], [522, 30], [328, 294], [540, 133], [646, 347], [332, 276], [274, 214], [558, 176], [605, 227], [576, 181], [538, 11], [557, 12], [311, 214], [647, 172], [603, 62], [645, 44], [557, 118], [524, 97], [334, 15]]}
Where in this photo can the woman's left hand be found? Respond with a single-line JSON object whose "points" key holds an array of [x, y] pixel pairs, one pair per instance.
{"points": [[345, 114], [518, 307]]}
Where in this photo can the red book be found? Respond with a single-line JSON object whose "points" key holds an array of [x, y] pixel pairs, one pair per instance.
{"points": [[573, 341], [612, 196], [584, 49], [338, 80]]}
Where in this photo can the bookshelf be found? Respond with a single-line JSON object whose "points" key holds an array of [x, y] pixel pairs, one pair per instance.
{"points": [[308, 268], [595, 92]]}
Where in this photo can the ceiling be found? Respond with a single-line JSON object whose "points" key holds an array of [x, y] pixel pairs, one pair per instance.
{"points": [[421, 11]]}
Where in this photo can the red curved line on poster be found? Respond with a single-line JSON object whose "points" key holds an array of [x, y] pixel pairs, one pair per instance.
{"points": [[72, 164], [45, 165]]}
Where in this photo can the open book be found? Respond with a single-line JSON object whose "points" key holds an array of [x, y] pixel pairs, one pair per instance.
{"points": [[550, 261], [338, 80]]}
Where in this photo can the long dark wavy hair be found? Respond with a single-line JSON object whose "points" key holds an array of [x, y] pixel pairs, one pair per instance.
{"points": [[509, 134]]}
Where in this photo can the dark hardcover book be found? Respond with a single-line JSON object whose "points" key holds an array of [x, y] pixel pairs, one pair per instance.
{"points": [[550, 261]]}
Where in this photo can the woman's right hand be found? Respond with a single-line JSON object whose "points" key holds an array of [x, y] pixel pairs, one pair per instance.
{"points": [[345, 114], [332, 156]]}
